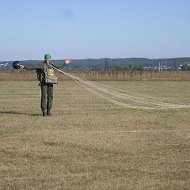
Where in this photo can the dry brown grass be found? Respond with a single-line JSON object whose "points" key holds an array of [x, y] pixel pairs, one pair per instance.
{"points": [[91, 144], [23, 75]]}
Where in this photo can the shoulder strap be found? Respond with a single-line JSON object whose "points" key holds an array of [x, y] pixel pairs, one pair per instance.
{"points": [[45, 67]]}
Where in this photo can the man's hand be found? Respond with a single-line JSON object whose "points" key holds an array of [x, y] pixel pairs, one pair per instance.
{"points": [[21, 66], [17, 65], [67, 61]]}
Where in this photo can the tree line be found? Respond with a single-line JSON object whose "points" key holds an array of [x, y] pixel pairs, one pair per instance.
{"points": [[117, 64]]}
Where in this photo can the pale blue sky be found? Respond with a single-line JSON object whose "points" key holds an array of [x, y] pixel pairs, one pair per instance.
{"points": [[94, 29]]}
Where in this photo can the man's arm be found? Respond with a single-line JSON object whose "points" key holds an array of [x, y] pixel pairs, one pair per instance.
{"points": [[66, 62], [19, 65]]}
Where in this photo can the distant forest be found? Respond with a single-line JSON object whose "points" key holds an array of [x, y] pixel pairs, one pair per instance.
{"points": [[120, 64]]}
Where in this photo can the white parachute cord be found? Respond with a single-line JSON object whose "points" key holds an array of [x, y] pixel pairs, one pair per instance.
{"points": [[130, 97], [109, 91], [148, 98], [86, 85], [126, 104], [144, 100], [116, 102]]}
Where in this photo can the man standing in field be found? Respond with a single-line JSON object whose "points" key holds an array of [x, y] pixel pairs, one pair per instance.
{"points": [[47, 78]]}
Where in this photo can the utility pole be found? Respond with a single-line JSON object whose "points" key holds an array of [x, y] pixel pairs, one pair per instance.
{"points": [[159, 67]]}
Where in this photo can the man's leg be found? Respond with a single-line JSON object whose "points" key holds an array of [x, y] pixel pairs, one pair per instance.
{"points": [[49, 98], [44, 98]]}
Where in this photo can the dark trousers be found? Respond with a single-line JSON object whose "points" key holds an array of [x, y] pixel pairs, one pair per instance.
{"points": [[46, 96]]}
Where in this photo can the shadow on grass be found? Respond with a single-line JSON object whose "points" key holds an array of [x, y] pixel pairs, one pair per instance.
{"points": [[19, 113]]}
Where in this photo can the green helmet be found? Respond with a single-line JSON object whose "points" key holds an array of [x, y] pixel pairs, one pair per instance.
{"points": [[47, 56]]}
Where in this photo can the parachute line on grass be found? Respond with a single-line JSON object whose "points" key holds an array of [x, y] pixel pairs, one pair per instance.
{"points": [[121, 97]]}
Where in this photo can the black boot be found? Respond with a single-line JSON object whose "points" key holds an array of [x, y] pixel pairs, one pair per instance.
{"points": [[44, 113], [49, 113]]}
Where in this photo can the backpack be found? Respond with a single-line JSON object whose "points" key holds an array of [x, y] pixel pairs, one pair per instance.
{"points": [[50, 75]]}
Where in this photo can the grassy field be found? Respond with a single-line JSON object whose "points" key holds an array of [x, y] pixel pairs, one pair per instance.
{"points": [[102, 75], [89, 143]]}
